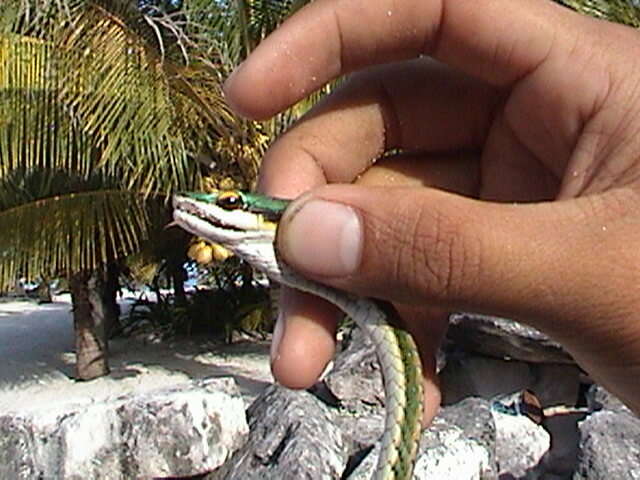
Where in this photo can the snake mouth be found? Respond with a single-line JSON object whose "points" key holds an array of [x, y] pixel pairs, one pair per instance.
{"points": [[202, 227], [217, 223], [185, 205]]}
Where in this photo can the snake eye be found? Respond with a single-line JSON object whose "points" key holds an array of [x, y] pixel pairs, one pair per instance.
{"points": [[230, 201]]}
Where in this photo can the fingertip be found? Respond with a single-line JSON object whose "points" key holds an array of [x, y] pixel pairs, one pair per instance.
{"points": [[238, 94], [288, 172], [306, 340], [303, 354], [272, 78], [432, 399]]}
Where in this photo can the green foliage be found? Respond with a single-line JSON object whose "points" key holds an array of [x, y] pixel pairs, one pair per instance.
{"points": [[164, 317], [232, 303], [231, 35], [239, 301], [101, 110], [104, 104], [626, 12], [94, 92]]}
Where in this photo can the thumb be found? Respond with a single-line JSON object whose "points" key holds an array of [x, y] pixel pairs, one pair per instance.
{"points": [[534, 262]]}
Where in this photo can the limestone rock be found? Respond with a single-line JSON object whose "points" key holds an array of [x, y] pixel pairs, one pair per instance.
{"points": [[609, 447], [356, 380], [520, 445], [459, 444], [468, 374], [503, 338], [293, 435], [599, 398], [177, 431], [471, 375], [354, 384]]}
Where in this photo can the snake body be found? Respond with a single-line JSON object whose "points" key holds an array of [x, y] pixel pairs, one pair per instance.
{"points": [[250, 233], [401, 370]]}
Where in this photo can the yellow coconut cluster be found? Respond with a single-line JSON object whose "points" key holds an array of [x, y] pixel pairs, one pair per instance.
{"points": [[204, 252]]}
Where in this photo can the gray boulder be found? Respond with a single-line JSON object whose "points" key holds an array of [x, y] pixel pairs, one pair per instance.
{"points": [[504, 338], [609, 447], [177, 431], [293, 436], [459, 444]]}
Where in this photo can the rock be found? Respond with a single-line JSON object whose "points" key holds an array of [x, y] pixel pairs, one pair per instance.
{"points": [[471, 375], [467, 375], [360, 431], [599, 398], [503, 338], [520, 444], [609, 447], [333, 431], [355, 385], [356, 380], [559, 385], [177, 431], [474, 416], [452, 455], [293, 435], [18, 456], [459, 444]]}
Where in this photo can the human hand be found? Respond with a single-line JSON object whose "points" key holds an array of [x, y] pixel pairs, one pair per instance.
{"points": [[517, 192]]}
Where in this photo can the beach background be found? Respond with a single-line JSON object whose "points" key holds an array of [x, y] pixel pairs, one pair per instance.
{"points": [[37, 359]]}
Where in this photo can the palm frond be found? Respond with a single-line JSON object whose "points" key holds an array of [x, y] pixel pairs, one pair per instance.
{"points": [[109, 96], [626, 12], [266, 15], [69, 233], [116, 89], [119, 95], [35, 131], [33, 18]]}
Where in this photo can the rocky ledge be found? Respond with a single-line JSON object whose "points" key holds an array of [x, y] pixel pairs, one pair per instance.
{"points": [[571, 429], [331, 431], [178, 431]]}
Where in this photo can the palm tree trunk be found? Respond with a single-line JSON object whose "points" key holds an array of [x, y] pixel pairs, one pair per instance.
{"points": [[109, 296], [178, 276], [90, 321], [44, 290]]}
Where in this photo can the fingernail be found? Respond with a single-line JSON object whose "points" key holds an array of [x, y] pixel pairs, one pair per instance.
{"points": [[276, 338], [322, 238], [284, 311]]}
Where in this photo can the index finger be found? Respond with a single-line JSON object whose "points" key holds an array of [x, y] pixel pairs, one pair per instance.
{"points": [[498, 41]]}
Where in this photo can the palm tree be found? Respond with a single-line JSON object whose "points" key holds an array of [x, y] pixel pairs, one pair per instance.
{"points": [[101, 107], [103, 103]]}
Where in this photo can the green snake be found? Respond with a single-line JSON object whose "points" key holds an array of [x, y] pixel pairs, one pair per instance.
{"points": [[246, 223]]}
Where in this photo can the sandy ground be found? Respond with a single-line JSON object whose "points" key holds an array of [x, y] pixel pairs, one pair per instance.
{"points": [[37, 360]]}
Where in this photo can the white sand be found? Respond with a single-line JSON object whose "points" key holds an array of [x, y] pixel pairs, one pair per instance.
{"points": [[37, 361]]}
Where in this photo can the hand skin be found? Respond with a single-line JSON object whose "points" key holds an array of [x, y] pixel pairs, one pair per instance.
{"points": [[517, 192]]}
